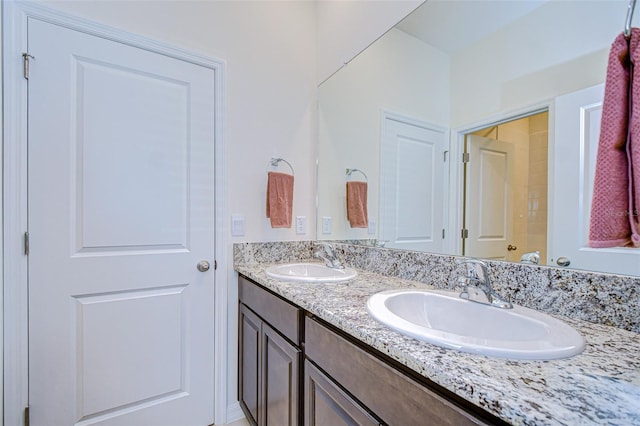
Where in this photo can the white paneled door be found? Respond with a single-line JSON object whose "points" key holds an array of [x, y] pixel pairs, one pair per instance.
{"points": [[121, 211], [489, 210], [412, 169]]}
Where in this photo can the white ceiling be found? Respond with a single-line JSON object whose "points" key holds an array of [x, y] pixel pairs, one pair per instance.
{"points": [[451, 25]]}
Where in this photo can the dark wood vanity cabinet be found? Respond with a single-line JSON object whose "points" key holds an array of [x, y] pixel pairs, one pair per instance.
{"points": [[269, 363], [342, 381]]}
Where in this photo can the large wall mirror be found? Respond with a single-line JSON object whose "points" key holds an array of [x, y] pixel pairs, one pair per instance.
{"points": [[474, 125]]}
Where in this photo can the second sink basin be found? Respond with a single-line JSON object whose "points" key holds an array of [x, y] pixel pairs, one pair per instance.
{"points": [[310, 272], [444, 319]]}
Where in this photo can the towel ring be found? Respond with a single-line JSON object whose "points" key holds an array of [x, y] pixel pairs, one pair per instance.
{"points": [[274, 163], [349, 171]]}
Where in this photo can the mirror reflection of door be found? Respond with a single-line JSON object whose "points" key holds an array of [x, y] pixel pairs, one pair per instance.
{"points": [[412, 169], [505, 212]]}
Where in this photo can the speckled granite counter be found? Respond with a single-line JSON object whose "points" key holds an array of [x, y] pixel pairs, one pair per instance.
{"points": [[600, 386]]}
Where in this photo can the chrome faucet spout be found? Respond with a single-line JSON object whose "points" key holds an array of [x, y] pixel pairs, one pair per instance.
{"points": [[329, 255], [477, 285], [531, 258]]}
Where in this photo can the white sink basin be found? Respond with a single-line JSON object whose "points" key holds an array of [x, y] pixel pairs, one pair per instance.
{"points": [[310, 272], [446, 320]]}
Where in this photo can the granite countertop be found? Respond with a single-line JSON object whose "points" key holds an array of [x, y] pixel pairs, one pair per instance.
{"points": [[599, 386]]}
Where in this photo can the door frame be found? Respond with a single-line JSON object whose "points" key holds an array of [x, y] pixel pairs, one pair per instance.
{"points": [[456, 178], [14, 391]]}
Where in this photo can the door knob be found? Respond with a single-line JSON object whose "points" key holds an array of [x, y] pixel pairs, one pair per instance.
{"points": [[563, 261], [203, 266], [511, 247]]}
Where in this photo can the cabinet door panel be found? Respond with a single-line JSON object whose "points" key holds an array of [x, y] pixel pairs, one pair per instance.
{"points": [[326, 404], [249, 363], [280, 384]]}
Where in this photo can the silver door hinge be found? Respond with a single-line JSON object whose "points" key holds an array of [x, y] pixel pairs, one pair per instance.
{"points": [[465, 157], [443, 234], [26, 416], [215, 265], [26, 244], [25, 60], [465, 233]]}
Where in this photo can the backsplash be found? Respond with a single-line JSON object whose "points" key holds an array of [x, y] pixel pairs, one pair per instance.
{"points": [[607, 299]]}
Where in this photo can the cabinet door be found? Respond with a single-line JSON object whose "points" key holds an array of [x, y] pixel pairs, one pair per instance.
{"points": [[326, 404], [280, 379], [249, 363]]}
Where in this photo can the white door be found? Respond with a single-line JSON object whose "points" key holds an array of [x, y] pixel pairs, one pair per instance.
{"points": [[412, 185], [120, 212], [489, 205], [577, 131]]}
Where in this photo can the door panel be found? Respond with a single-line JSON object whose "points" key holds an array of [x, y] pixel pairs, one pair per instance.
{"points": [[249, 392], [280, 388], [150, 143], [146, 358], [489, 212], [412, 186], [326, 404], [121, 197]]}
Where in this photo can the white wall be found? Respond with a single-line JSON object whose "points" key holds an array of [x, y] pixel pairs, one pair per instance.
{"points": [[525, 64], [399, 74], [347, 27], [1, 228]]}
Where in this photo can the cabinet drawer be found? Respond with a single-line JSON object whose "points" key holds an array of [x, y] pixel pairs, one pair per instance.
{"points": [[283, 316], [395, 398]]}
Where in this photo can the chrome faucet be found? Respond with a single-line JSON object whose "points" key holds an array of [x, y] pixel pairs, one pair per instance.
{"points": [[531, 258], [477, 285], [328, 253]]}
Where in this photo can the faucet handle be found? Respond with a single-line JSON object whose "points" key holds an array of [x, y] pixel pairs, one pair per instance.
{"points": [[482, 291], [476, 269], [329, 255], [328, 248]]}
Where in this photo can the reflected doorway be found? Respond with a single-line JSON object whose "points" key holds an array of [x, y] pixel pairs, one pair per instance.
{"points": [[505, 190]]}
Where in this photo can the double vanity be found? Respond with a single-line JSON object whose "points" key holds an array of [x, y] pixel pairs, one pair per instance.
{"points": [[323, 347]]}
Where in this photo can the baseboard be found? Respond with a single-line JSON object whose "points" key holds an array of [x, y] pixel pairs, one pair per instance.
{"points": [[234, 412]]}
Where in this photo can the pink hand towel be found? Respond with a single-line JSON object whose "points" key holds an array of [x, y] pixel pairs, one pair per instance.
{"points": [[633, 140], [357, 204], [279, 199], [613, 222]]}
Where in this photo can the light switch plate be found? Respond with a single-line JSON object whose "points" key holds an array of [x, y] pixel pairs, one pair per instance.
{"points": [[326, 224], [237, 225], [301, 225]]}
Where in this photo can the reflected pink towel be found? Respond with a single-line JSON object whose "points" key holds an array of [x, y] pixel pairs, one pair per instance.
{"points": [[633, 140], [616, 192], [357, 204], [279, 199]]}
